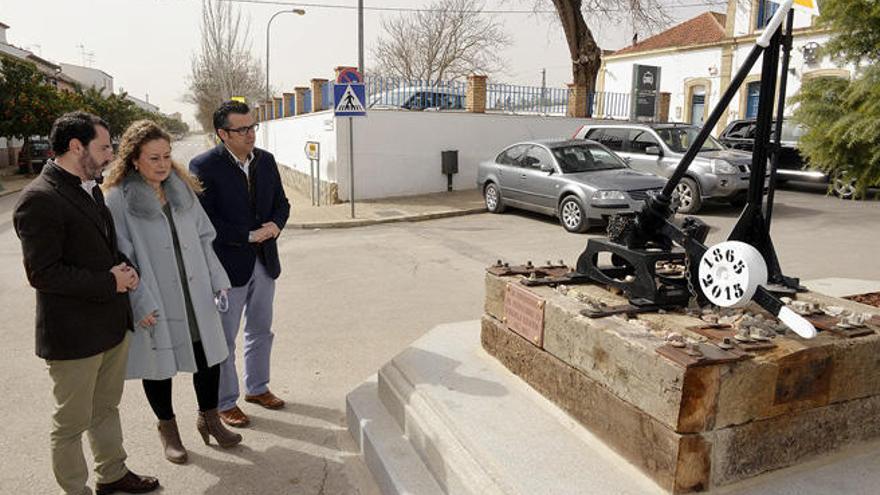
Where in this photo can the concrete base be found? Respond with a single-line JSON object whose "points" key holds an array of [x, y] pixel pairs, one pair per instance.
{"points": [[842, 287], [445, 417]]}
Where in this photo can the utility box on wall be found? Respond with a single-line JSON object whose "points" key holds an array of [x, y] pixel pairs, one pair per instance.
{"points": [[449, 165], [449, 161]]}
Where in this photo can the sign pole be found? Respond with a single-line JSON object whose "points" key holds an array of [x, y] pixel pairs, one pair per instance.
{"points": [[312, 181], [351, 163]]}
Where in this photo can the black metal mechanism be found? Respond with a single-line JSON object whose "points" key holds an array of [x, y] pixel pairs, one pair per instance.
{"points": [[638, 242]]}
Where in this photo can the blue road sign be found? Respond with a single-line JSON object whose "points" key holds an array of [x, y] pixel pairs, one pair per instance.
{"points": [[349, 100]]}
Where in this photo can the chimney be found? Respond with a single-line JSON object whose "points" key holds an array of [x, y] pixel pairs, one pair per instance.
{"points": [[3, 28], [635, 38]]}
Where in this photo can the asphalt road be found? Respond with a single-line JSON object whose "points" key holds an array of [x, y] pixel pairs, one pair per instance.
{"points": [[347, 301]]}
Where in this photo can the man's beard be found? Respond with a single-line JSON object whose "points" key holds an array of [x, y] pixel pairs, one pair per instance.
{"points": [[91, 168]]}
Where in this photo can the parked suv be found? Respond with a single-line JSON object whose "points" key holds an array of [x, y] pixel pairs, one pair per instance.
{"points": [[740, 135], [715, 173]]}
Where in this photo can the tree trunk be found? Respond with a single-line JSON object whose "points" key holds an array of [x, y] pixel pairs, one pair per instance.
{"points": [[586, 56]]}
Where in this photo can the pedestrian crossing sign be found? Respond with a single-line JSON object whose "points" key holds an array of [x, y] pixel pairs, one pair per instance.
{"points": [[349, 100]]}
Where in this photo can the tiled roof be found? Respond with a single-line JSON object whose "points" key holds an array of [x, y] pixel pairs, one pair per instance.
{"points": [[707, 27]]}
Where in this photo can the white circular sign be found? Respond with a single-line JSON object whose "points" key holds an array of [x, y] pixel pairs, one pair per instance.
{"points": [[730, 273]]}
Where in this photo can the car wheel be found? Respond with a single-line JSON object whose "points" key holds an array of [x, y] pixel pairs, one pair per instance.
{"points": [[572, 215], [492, 196], [844, 188], [687, 193]]}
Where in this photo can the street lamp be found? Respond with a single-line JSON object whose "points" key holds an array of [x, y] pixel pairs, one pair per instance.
{"points": [[268, 27]]}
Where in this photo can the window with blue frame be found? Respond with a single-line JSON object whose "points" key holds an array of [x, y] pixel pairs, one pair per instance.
{"points": [[766, 9], [753, 96]]}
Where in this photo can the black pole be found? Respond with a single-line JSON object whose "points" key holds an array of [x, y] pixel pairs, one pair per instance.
{"points": [[657, 209], [709, 124], [780, 112]]}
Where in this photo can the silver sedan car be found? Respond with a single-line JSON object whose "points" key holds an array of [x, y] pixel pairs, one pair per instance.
{"points": [[579, 181]]}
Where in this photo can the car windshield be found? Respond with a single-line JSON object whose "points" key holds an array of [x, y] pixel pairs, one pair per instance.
{"points": [[586, 158], [792, 131], [679, 138]]}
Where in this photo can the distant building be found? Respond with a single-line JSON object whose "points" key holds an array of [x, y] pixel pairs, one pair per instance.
{"points": [[88, 77], [142, 104], [53, 74], [52, 71], [698, 58]]}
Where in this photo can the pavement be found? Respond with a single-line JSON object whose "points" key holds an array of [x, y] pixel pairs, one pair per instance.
{"points": [[388, 210]]}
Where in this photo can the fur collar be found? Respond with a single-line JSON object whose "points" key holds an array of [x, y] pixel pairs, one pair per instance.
{"points": [[141, 200]]}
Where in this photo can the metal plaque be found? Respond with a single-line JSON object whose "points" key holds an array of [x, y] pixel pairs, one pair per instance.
{"points": [[524, 313]]}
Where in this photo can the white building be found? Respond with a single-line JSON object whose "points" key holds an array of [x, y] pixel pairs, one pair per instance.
{"points": [[88, 77], [143, 104], [699, 57]]}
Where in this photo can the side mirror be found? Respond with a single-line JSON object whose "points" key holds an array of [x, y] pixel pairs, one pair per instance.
{"points": [[546, 167], [627, 160], [654, 150]]}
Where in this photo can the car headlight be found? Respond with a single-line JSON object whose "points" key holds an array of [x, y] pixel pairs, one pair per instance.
{"points": [[722, 167], [609, 196]]}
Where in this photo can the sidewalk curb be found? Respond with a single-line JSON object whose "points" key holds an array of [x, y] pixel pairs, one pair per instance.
{"points": [[7, 192], [342, 224]]}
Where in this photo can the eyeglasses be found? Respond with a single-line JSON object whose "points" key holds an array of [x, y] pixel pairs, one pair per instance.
{"points": [[243, 130]]}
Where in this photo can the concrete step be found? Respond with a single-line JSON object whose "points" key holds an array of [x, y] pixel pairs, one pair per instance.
{"points": [[394, 463], [445, 417], [481, 430]]}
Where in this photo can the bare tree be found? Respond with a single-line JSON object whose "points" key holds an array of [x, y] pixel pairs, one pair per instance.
{"points": [[586, 56], [225, 66], [448, 40]]}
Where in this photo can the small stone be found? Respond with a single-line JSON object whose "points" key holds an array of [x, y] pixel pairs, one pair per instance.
{"points": [[710, 318], [785, 300], [661, 311], [833, 310], [726, 344]]}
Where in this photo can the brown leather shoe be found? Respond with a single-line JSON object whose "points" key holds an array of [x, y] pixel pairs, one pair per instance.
{"points": [[234, 417], [130, 483], [267, 399]]}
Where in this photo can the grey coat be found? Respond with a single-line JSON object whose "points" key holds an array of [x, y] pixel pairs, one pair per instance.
{"points": [[144, 235]]}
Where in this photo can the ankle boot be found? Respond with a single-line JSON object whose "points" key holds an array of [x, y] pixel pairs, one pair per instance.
{"points": [[170, 436], [209, 425]]}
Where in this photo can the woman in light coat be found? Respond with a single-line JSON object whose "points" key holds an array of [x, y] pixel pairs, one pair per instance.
{"points": [[163, 229]]}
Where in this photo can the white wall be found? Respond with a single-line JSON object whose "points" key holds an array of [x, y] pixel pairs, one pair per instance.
{"points": [[397, 153], [676, 69], [797, 63], [286, 139], [743, 24], [680, 67]]}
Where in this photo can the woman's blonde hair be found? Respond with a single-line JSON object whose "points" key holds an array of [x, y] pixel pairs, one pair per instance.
{"points": [[133, 139]]}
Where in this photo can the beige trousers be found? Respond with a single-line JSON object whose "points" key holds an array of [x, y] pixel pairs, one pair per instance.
{"points": [[87, 394]]}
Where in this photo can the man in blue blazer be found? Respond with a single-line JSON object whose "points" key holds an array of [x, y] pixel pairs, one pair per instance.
{"points": [[245, 200]]}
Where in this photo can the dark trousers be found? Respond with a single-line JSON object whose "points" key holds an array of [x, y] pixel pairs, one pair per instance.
{"points": [[206, 382]]}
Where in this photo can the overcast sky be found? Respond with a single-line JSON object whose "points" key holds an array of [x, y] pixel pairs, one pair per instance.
{"points": [[147, 45]]}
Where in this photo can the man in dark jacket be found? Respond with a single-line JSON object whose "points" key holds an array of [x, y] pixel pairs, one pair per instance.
{"points": [[245, 200], [83, 314]]}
